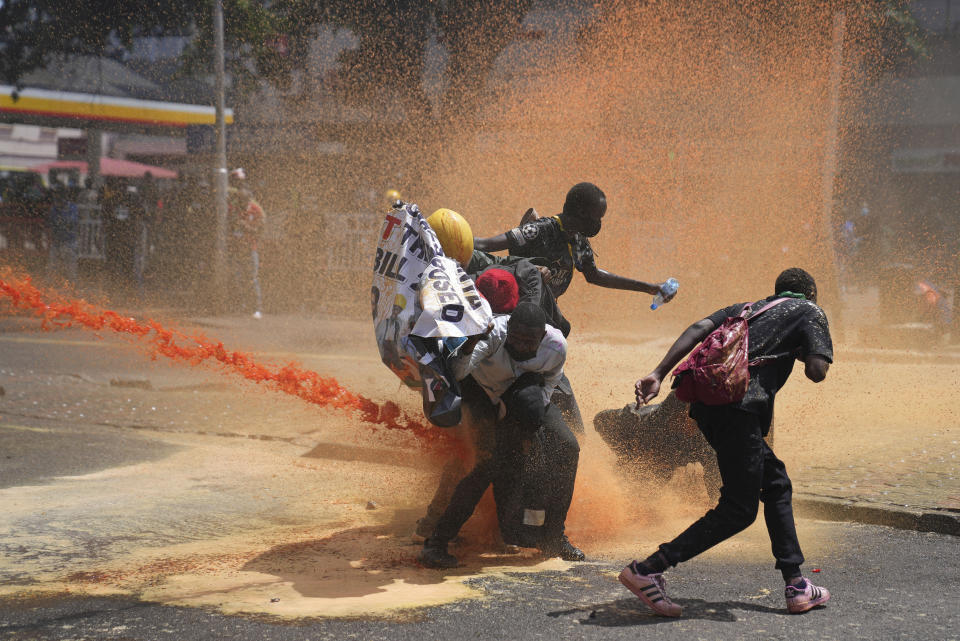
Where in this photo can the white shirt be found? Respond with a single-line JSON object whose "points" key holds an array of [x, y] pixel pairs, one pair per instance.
{"points": [[492, 367]]}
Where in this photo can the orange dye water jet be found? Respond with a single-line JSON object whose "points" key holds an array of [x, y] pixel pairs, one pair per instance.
{"points": [[59, 313]]}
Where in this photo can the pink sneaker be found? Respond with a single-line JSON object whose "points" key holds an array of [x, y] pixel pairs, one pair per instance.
{"points": [[651, 589], [805, 598]]}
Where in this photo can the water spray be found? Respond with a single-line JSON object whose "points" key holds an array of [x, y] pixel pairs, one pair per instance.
{"points": [[57, 312]]}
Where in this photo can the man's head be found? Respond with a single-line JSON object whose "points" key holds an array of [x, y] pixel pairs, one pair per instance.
{"points": [[797, 281], [525, 331], [454, 234], [500, 289], [583, 209]]}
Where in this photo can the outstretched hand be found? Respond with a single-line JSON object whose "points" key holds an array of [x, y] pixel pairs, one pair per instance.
{"points": [[667, 297], [647, 389]]}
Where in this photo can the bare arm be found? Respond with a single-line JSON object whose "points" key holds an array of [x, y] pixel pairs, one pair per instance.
{"points": [[815, 367], [491, 244], [648, 387], [603, 278]]}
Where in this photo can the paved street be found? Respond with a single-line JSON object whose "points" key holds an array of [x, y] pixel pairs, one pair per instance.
{"points": [[143, 499]]}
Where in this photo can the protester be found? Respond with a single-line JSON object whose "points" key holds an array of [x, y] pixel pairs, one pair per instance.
{"points": [[560, 243], [750, 471], [507, 380], [510, 281], [63, 221]]}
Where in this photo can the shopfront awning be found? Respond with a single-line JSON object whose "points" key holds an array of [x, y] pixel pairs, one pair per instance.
{"points": [[70, 109]]}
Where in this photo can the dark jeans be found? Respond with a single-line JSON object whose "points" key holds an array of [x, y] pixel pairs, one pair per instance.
{"points": [[751, 473], [502, 466]]}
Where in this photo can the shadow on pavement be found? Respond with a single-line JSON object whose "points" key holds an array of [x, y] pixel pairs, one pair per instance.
{"points": [[362, 561], [626, 612], [354, 453]]}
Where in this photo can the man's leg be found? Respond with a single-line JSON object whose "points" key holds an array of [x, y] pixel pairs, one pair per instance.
{"points": [[471, 487], [563, 455], [737, 439], [800, 594], [476, 431], [776, 494]]}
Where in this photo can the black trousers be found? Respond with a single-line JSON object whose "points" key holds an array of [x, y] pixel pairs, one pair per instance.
{"points": [[751, 473], [502, 466]]}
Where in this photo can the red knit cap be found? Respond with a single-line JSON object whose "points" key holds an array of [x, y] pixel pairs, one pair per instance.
{"points": [[500, 288]]}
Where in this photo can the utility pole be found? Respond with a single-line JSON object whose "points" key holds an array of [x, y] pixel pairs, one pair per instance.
{"points": [[830, 162], [220, 170]]}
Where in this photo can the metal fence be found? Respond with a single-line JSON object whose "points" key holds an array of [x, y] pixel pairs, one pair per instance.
{"points": [[90, 236]]}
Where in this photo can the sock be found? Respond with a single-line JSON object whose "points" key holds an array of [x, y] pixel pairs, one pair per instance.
{"points": [[790, 572], [653, 564], [798, 582]]}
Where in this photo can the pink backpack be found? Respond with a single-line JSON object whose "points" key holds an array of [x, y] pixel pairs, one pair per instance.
{"points": [[716, 372]]}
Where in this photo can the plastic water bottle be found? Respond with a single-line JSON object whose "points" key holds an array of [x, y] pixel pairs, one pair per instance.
{"points": [[669, 288]]}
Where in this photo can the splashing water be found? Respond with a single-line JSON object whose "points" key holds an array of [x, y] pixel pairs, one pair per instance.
{"points": [[58, 313]]}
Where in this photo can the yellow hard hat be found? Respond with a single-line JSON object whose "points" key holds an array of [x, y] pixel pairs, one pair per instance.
{"points": [[392, 196], [454, 234], [400, 301]]}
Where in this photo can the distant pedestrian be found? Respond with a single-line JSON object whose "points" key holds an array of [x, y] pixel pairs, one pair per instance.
{"points": [[63, 223], [247, 220], [750, 472]]}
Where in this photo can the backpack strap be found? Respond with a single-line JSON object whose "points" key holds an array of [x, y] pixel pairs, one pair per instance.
{"points": [[760, 361], [766, 307]]}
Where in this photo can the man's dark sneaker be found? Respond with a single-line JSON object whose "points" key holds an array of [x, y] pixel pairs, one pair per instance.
{"points": [[434, 555], [563, 548]]}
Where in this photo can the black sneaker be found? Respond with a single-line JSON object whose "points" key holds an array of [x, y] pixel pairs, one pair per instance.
{"points": [[563, 548], [434, 555]]}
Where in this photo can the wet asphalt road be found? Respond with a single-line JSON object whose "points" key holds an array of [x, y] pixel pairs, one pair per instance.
{"points": [[887, 584]]}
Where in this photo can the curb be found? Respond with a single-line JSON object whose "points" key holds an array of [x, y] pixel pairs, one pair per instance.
{"points": [[938, 521]]}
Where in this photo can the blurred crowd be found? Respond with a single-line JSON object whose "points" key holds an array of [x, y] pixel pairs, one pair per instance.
{"points": [[134, 237]]}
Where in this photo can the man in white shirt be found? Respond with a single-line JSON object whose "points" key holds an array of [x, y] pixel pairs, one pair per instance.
{"points": [[507, 381]]}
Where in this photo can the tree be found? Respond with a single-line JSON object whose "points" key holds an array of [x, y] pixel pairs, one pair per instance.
{"points": [[35, 33]]}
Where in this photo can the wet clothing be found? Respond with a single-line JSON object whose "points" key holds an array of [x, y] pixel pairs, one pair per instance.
{"points": [[750, 473], [793, 327], [500, 461], [495, 370], [530, 284], [749, 470], [545, 242]]}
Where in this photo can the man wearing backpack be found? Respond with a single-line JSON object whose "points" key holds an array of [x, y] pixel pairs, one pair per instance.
{"points": [[794, 328]]}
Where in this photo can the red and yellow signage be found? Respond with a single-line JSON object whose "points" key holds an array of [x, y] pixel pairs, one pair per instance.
{"points": [[85, 107]]}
